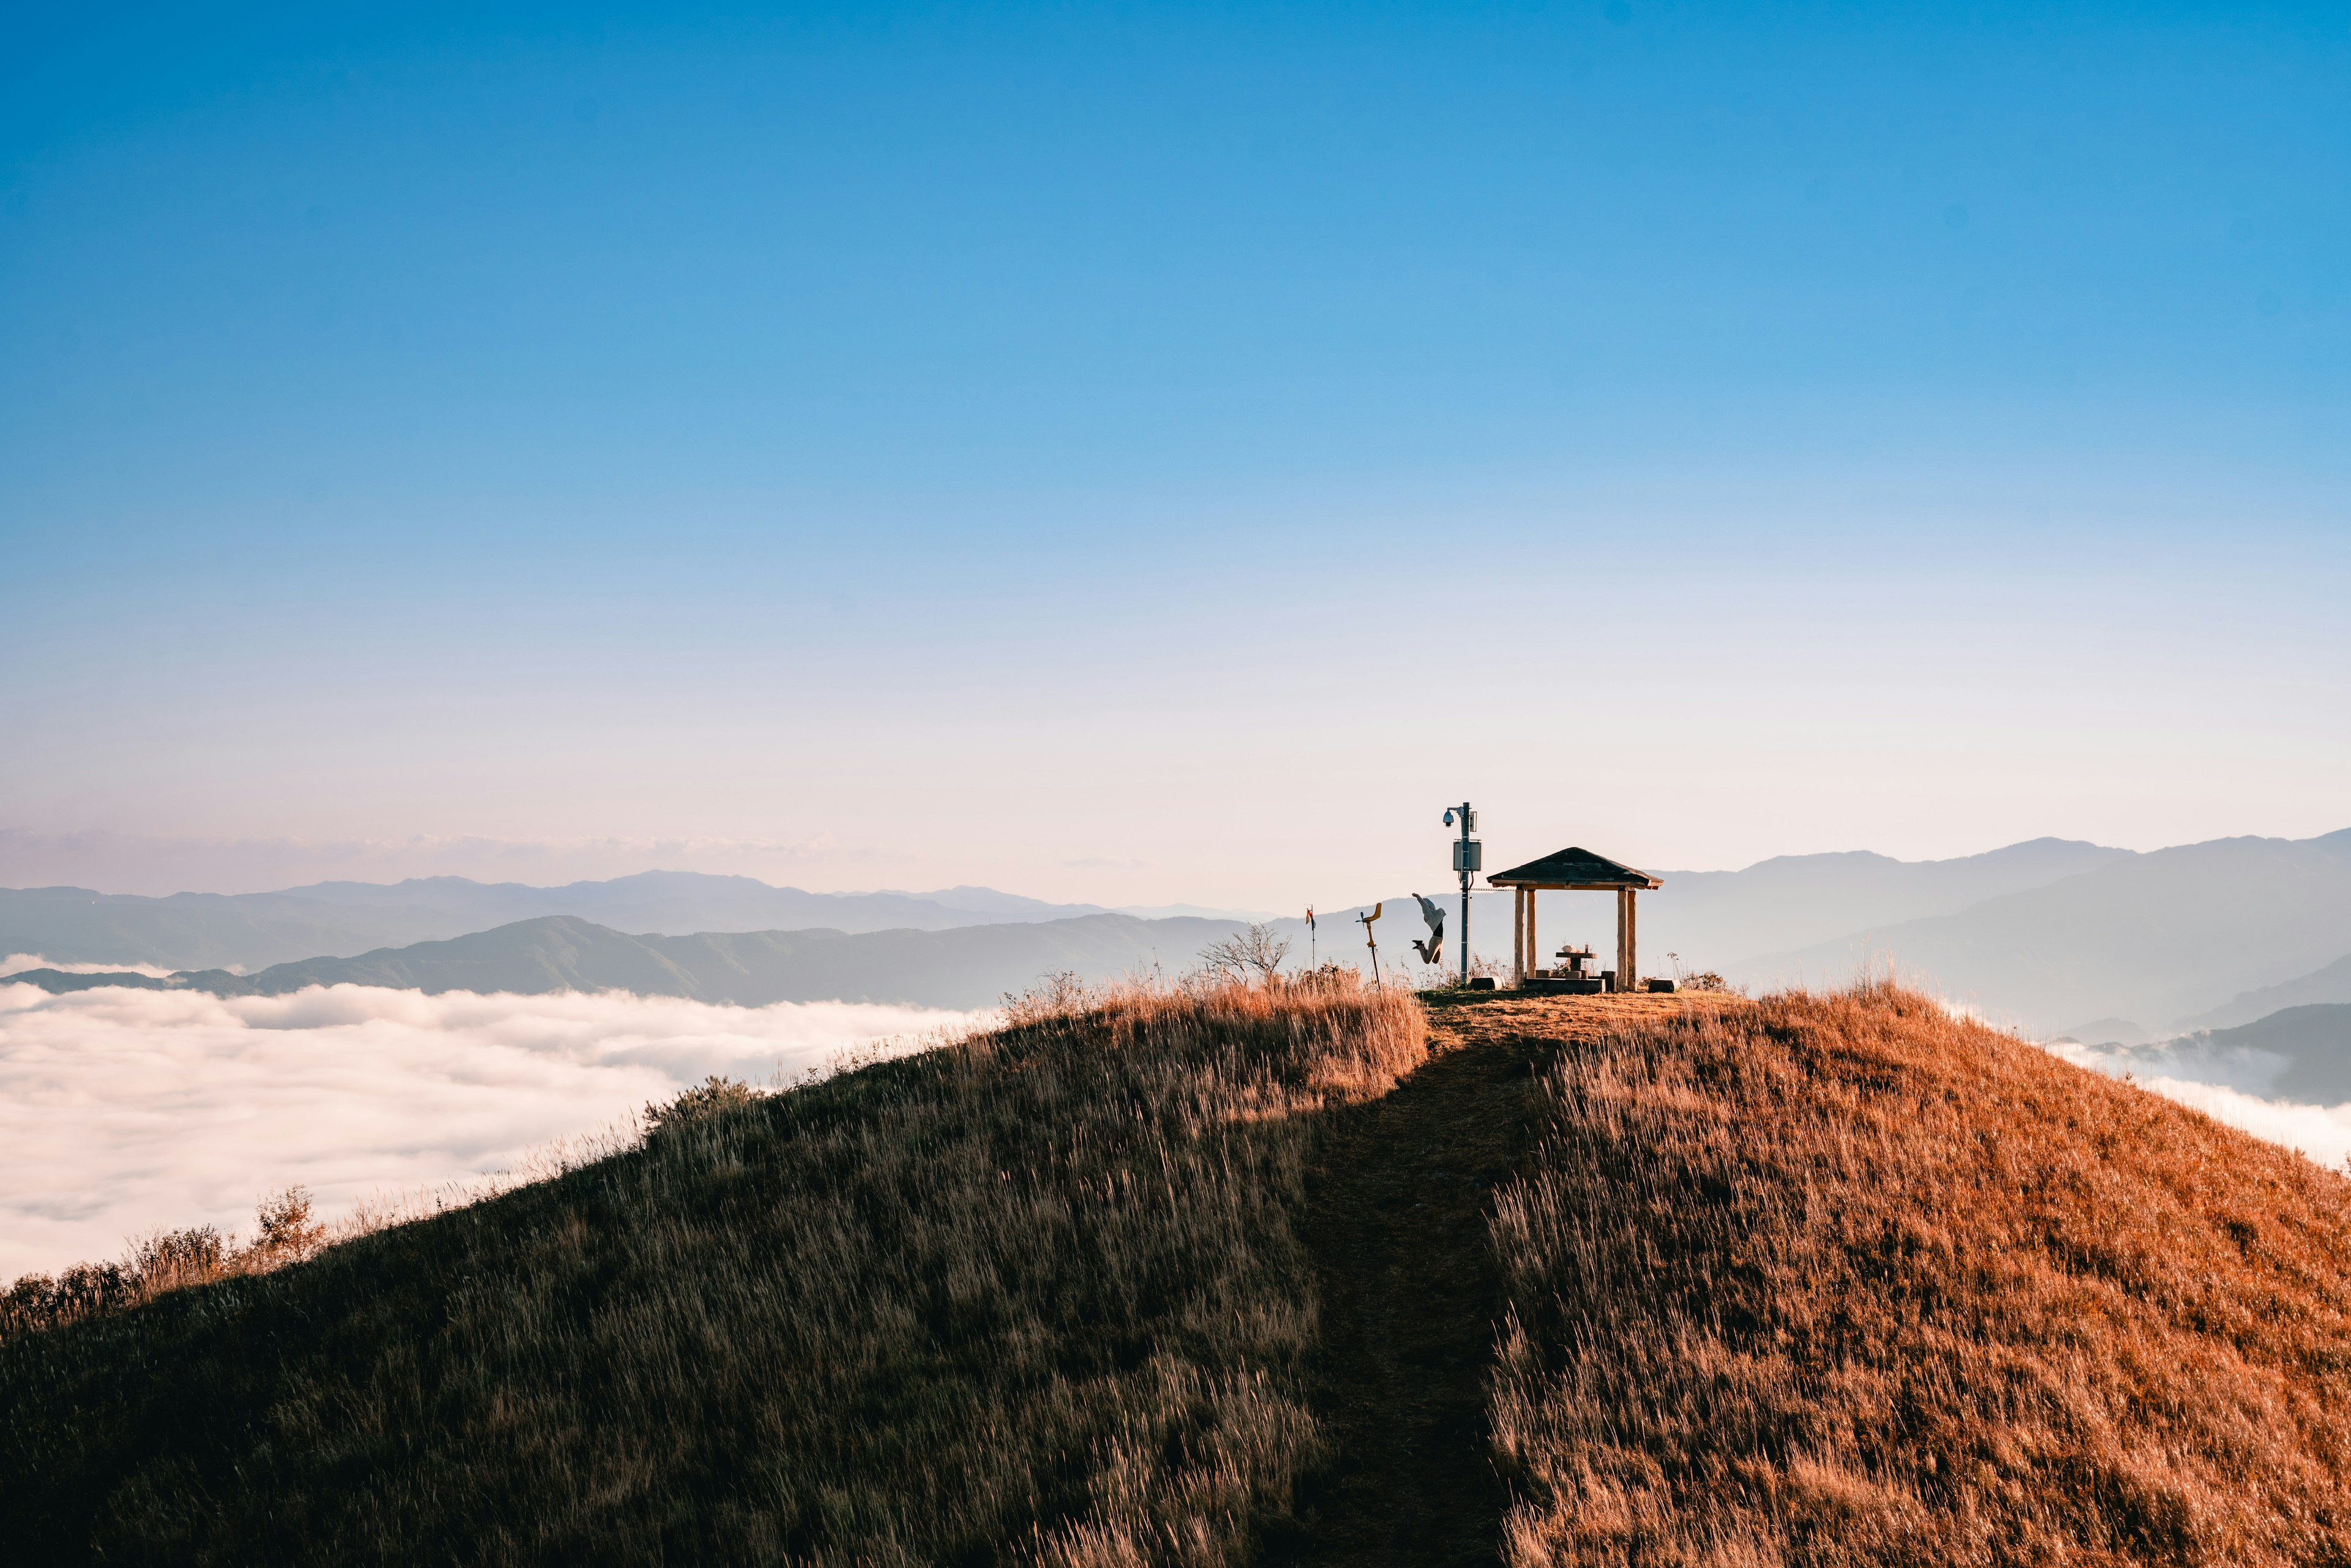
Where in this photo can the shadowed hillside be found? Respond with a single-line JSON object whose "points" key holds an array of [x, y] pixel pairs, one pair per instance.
{"points": [[1037, 1298], [1244, 1276]]}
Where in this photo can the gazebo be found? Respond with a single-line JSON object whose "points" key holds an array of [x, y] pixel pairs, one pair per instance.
{"points": [[1574, 870]]}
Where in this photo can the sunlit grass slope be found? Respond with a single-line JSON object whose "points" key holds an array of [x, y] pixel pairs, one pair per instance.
{"points": [[1845, 1280], [1038, 1296]]}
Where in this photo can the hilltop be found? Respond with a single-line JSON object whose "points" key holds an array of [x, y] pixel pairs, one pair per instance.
{"points": [[1313, 1275]]}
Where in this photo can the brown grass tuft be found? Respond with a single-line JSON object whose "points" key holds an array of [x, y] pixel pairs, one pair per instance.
{"points": [[1844, 1279]]}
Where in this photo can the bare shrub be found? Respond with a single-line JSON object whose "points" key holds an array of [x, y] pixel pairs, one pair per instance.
{"points": [[1056, 995], [1256, 953]]}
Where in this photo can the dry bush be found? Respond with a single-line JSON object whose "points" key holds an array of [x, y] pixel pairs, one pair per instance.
{"points": [[1845, 1279], [1325, 976], [1039, 1296], [162, 1261], [714, 1097], [286, 1233]]}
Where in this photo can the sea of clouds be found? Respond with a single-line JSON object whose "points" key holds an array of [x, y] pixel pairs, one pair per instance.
{"points": [[122, 1111], [2226, 1085], [17, 963]]}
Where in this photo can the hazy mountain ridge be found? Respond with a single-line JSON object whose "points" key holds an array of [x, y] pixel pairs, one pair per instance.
{"points": [[2313, 1040], [1729, 917], [1715, 919], [202, 930], [965, 966], [2043, 933], [2295, 1056], [2331, 984], [2159, 937]]}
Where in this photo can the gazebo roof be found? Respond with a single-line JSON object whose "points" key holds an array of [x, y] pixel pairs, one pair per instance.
{"points": [[1576, 869]]}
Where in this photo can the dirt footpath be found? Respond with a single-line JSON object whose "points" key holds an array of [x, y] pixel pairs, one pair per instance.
{"points": [[1410, 1294]]}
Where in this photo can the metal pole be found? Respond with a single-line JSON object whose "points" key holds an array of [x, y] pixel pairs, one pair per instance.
{"points": [[1465, 929], [1465, 896]]}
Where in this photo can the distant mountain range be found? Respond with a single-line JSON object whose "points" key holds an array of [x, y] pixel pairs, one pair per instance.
{"points": [[249, 931], [1720, 920], [2301, 1054], [2331, 984], [2314, 1042], [1795, 901], [965, 966], [2162, 939], [2044, 934]]}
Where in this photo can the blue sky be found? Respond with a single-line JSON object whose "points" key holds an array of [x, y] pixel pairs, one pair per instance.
{"points": [[1141, 454]]}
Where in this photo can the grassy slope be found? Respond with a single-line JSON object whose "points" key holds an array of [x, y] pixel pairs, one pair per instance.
{"points": [[1829, 1279], [1037, 1298], [1842, 1279]]}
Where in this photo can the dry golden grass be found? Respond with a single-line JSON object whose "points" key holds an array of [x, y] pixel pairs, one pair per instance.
{"points": [[1036, 1297], [1843, 1280]]}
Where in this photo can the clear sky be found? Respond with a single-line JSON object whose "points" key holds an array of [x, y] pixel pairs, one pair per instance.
{"points": [[1144, 454]]}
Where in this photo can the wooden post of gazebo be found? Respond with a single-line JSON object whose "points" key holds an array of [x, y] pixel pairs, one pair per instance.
{"points": [[1523, 947], [1628, 962], [1576, 870]]}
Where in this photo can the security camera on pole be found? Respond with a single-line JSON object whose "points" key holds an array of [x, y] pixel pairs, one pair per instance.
{"points": [[1469, 859]]}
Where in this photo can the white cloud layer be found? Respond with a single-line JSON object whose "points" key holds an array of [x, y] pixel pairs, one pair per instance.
{"points": [[17, 963], [2221, 1090], [125, 1110], [2321, 1133]]}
